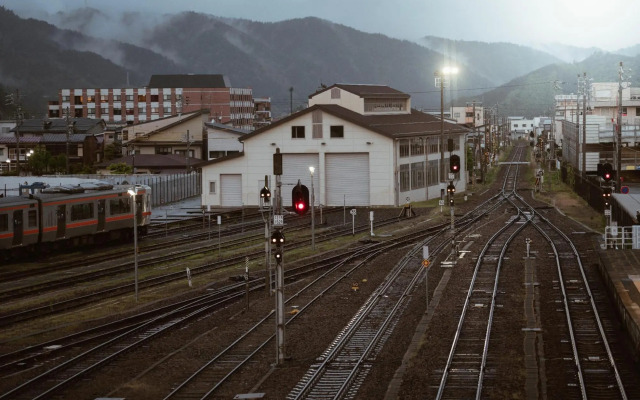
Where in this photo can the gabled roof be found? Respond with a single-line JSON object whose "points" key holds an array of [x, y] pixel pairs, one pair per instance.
{"points": [[394, 126], [367, 91], [149, 128], [47, 138], [189, 81], [225, 128], [59, 125]]}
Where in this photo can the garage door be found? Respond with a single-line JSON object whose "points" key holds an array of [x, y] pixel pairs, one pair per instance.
{"points": [[347, 179], [294, 167], [231, 190]]}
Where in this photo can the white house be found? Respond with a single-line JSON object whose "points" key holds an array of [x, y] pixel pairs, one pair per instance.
{"points": [[368, 148]]}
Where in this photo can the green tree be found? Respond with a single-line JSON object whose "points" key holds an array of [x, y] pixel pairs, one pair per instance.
{"points": [[120, 169], [39, 161], [58, 163], [112, 151]]}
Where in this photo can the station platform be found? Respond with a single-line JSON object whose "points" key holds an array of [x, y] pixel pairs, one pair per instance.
{"points": [[621, 272]]}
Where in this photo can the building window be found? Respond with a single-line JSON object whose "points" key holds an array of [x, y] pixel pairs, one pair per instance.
{"points": [[336, 131], [316, 119], [297, 132], [166, 97], [335, 93], [163, 150], [142, 98], [77, 99], [417, 148], [91, 99], [417, 175], [167, 110], [432, 173], [117, 111], [404, 148], [154, 110], [405, 178], [65, 99], [129, 97], [142, 110], [154, 98], [104, 110], [129, 111], [104, 98], [117, 97], [212, 187], [77, 113], [91, 112]]}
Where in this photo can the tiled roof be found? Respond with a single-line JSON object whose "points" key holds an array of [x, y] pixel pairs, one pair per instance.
{"points": [[367, 91], [189, 81], [44, 139], [58, 125], [391, 125]]}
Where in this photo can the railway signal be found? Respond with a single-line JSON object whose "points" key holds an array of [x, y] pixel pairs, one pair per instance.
{"points": [[606, 197], [278, 256], [451, 189], [454, 163], [277, 238], [451, 202], [607, 172], [300, 199]]}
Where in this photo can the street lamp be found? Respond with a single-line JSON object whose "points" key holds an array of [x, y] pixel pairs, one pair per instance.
{"points": [[313, 214], [133, 192], [440, 81]]}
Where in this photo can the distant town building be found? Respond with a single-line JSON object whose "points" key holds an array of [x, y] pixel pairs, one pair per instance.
{"points": [[166, 95]]}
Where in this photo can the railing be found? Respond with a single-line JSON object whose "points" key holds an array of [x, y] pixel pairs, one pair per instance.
{"points": [[622, 237]]}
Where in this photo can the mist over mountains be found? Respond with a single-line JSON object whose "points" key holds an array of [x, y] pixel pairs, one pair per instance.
{"points": [[88, 48]]}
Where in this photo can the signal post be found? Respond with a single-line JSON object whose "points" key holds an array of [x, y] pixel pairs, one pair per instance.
{"points": [[277, 240]]}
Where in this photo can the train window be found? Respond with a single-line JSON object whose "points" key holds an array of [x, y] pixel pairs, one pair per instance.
{"points": [[33, 219], [120, 206], [4, 222], [81, 211]]}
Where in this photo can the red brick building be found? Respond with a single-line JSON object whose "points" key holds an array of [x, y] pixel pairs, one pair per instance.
{"points": [[165, 95]]}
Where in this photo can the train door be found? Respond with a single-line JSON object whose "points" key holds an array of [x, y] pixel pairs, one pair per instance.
{"points": [[18, 227], [101, 214], [61, 213], [139, 209]]}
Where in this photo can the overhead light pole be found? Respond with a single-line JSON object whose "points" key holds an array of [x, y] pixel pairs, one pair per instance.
{"points": [[133, 192], [440, 81], [313, 213]]}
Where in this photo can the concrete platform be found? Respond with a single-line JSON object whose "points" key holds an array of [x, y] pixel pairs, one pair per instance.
{"points": [[621, 272]]}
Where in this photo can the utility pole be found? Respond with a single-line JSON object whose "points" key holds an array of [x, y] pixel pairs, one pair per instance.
{"points": [[585, 89], [18, 117], [291, 100], [69, 128], [618, 151], [578, 141]]}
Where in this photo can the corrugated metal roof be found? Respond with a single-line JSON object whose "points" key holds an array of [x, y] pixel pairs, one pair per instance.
{"points": [[189, 81]]}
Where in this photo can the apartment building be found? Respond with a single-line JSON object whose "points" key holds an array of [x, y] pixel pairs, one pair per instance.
{"points": [[166, 95]]}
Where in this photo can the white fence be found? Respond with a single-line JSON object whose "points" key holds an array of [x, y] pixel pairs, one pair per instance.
{"points": [[622, 237]]}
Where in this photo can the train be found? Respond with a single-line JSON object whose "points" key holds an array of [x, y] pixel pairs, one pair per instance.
{"points": [[71, 216]]}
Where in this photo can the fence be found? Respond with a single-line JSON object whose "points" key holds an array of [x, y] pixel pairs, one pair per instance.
{"points": [[165, 188], [622, 237]]}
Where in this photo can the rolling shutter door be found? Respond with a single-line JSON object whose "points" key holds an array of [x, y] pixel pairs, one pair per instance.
{"points": [[294, 167], [231, 190], [347, 179]]}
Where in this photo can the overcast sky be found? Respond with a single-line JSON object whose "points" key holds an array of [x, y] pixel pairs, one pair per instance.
{"points": [[607, 24]]}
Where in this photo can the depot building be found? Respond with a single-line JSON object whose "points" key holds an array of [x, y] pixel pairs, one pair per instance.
{"points": [[366, 144]]}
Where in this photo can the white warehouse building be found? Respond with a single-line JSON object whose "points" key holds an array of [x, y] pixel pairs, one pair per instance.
{"points": [[368, 148]]}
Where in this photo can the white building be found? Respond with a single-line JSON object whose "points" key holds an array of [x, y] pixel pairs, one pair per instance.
{"points": [[521, 126], [368, 148]]}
